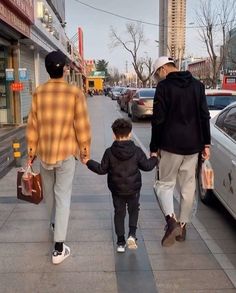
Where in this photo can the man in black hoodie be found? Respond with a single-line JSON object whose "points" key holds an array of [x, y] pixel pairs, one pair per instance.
{"points": [[180, 131], [122, 162]]}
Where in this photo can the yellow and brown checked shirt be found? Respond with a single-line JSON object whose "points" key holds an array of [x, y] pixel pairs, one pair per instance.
{"points": [[58, 124]]}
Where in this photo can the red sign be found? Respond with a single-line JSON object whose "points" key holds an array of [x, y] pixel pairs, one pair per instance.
{"points": [[17, 86]]}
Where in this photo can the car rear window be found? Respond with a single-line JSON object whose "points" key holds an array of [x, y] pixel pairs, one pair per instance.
{"points": [[219, 102], [147, 94]]}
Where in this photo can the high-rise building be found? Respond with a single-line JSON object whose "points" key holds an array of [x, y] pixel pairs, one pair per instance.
{"points": [[172, 26]]}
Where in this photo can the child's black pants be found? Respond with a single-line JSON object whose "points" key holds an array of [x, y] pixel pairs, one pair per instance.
{"points": [[120, 203]]}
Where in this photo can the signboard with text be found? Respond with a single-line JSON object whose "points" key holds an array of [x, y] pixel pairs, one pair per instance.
{"points": [[11, 18], [23, 74], [9, 73]]}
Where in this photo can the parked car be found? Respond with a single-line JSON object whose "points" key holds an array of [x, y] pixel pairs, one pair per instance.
{"points": [[115, 92], [219, 99], [126, 97], [119, 96], [223, 160], [141, 104]]}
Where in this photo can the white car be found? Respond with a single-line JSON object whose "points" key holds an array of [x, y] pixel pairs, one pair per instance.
{"points": [[223, 160], [219, 99]]}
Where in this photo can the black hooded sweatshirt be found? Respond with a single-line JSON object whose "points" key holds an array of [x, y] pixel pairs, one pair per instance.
{"points": [[122, 162], [180, 122]]}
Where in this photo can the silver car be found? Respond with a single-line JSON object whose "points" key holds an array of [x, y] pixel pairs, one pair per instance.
{"points": [[115, 92], [217, 100], [141, 104], [223, 160]]}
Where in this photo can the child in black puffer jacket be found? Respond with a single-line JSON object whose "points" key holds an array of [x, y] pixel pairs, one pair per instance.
{"points": [[122, 162]]}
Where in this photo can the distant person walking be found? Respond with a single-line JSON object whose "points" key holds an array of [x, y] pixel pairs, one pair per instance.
{"points": [[58, 130], [180, 131], [122, 162]]}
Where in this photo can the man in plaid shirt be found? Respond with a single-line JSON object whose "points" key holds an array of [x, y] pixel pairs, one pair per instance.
{"points": [[58, 131]]}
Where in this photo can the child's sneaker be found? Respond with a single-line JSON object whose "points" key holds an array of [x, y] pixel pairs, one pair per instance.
{"points": [[120, 248], [131, 242], [58, 257]]}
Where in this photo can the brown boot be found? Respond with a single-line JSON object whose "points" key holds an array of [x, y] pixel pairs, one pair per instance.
{"points": [[173, 230], [182, 237]]}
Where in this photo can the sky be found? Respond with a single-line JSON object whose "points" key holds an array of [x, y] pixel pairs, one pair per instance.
{"points": [[96, 28]]}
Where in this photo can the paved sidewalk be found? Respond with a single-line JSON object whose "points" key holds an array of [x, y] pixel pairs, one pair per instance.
{"points": [[94, 266]]}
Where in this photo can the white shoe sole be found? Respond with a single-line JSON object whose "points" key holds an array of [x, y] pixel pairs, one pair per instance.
{"points": [[120, 251], [131, 244]]}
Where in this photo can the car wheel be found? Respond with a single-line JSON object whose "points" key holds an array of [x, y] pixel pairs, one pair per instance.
{"points": [[206, 195]]}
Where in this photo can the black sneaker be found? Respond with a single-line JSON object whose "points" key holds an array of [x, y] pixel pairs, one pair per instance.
{"points": [[173, 229]]}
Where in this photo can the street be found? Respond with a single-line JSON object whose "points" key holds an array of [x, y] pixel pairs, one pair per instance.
{"points": [[205, 262]]}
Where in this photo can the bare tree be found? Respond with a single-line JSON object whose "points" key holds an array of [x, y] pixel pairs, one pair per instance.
{"points": [[135, 38], [114, 76], [216, 22]]}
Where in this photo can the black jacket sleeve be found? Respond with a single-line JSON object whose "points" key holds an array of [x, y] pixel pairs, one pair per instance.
{"points": [[158, 118], [98, 168], [205, 117], [144, 163]]}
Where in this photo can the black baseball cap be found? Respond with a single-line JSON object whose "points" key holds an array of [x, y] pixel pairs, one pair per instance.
{"points": [[55, 60]]}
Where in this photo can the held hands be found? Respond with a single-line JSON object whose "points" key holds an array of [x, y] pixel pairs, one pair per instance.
{"points": [[84, 159], [156, 154]]}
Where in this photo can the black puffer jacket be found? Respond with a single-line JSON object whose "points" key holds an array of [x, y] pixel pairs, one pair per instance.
{"points": [[122, 162]]}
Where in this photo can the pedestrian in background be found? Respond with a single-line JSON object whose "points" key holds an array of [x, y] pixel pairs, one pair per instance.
{"points": [[122, 162], [180, 131], [58, 130]]}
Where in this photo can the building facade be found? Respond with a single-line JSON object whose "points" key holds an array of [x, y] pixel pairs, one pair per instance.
{"points": [[172, 28], [29, 30], [201, 69], [16, 19]]}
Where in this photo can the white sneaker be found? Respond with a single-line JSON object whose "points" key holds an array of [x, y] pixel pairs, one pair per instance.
{"points": [[131, 243], [120, 248], [58, 257]]}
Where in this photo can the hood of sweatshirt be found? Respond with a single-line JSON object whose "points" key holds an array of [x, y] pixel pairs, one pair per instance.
{"points": [[181, 79], [123, 150]]}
